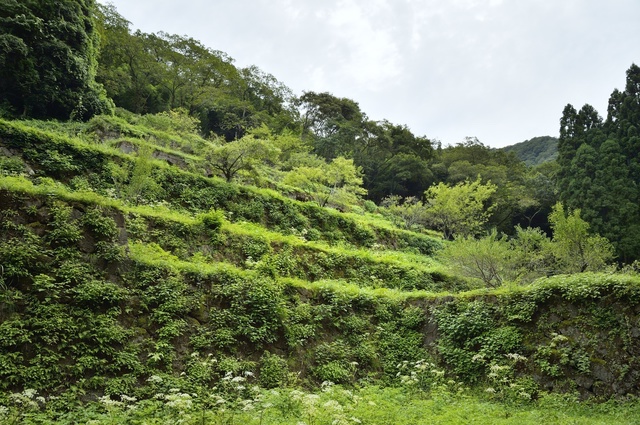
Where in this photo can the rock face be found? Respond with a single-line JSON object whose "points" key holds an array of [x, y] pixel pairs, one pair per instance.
{"points": [[574, 339], [128, 147]]}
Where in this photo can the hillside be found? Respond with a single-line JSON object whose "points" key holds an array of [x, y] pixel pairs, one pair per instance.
{"points": [[185, 241], [535, 151], [102, 295]]}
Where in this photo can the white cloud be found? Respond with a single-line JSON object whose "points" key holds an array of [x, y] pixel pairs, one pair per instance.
{"points": [[362, 44]]}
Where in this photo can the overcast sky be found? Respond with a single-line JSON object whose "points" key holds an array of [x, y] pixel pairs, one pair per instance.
{"points": [[498, 70]]}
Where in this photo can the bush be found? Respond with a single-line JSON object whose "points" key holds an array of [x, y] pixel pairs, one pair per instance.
{"points": [[273, 371]]}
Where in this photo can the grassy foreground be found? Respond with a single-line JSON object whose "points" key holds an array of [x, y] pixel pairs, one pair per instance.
{"points": [[333, 405]]}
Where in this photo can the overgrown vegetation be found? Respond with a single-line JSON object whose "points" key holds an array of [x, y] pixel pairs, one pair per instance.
{"points": [[222, 258]]}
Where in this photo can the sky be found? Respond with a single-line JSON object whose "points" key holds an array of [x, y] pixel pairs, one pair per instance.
{"points": [[498, 70]]}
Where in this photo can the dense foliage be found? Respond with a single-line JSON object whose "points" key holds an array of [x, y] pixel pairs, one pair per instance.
{"points": [[535, 151], [48, 60], [133, 278], [600, 167], [215, 250]]}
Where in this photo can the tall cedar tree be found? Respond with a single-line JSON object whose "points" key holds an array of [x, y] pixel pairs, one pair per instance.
{"points": [[600, 166]]}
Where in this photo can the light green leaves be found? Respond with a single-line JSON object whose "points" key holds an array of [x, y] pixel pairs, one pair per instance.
{"points": [[460, 209]]}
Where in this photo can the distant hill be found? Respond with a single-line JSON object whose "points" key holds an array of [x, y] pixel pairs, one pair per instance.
{"points": [[535, 151]]}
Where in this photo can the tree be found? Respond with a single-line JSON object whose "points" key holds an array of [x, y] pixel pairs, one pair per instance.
{"points": [[408, 212], [459, 210], [127, 68], [472, 159], [488, 259], [394, 160], [250, 99], [245, 154], [332, 123], [539, 194], [574, 248], [338, 182], [600, 168], [141, 185], [48, 60]]}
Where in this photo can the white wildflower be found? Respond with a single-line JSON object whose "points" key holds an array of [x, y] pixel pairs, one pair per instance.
{"points": [[29, 392], [478, 358], [128, 399], [154, 379], [333, 404], [108, 402]]}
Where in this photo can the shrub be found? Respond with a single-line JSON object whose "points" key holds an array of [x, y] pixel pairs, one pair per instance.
{"points": [[273, 370]]}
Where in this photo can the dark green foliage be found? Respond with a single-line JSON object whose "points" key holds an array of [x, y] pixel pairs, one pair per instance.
{"points": [[273, 371], [64, 305], [11, 166], [469, 334], [48, 60], [535, 151], [69, 320], [125, 273], [255, 310], [63, 230], [400, 336], [150, 73], [521, 194], [52, 155], [599, 170], [393, 160]]}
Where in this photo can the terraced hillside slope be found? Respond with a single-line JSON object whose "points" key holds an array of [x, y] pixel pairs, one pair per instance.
{"points": [[126, 268]]}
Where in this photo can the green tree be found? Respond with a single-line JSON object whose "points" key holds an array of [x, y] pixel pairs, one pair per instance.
{"points": [[599, 168], [250, 98], [127, 68], [141, 185], [408, 212], [333, 124], [539, 194], [459, 210], [576, 250], [246, 154], [338, 183], [471, 159], [495, 260], [48, 59], [531, 254], [489, 259], [394, 160]]}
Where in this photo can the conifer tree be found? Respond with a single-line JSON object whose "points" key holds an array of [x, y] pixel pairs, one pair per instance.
{"points": [[600, 166]]}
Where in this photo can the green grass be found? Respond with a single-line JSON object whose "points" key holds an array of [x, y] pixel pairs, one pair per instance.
{"points": [[337, 406]]}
